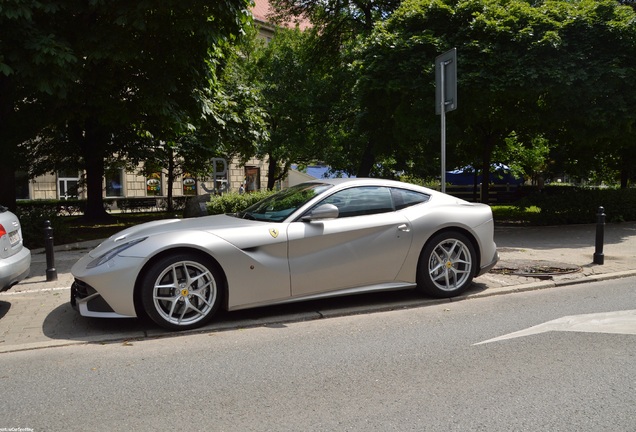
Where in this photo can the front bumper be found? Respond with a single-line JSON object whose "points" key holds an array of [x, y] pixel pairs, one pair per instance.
{"points": [[89, 303]]}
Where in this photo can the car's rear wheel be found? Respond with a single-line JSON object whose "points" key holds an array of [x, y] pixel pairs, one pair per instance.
{"points": [[182, 291], [446, 266]]}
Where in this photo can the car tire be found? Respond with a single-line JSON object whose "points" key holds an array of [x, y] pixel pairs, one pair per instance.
{"points": [[447, 265], [181, 291]]}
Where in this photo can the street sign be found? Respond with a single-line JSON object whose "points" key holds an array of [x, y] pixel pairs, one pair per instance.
{"points": [[446, 81]]}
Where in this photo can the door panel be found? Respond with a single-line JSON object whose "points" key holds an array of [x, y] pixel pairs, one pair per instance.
{"points": [[347, 252]]}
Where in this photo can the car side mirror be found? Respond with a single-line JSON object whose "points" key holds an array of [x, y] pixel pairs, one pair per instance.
{"points": [[325, 211]]}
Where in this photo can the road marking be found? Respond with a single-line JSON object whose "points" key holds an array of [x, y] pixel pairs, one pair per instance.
{"points": [[620, 322], [34, 291]]}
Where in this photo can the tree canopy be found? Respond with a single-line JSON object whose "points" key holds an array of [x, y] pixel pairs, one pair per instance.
{"points": [[129, 68]]}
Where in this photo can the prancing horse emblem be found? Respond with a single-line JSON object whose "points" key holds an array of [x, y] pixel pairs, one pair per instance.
{"points": [[273, 232]]}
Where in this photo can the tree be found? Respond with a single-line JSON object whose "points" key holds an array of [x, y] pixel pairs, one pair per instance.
{"points": [[234, 125], [518, 62], [35, 65], [595, 100], [138, 66], [337, 28], [292, 92]]}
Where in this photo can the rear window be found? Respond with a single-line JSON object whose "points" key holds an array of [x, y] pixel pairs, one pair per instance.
{"points": [[403, 198]]}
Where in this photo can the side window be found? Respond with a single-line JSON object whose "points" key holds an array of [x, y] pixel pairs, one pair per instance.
{"points": [[361, 201], [404, 198]]}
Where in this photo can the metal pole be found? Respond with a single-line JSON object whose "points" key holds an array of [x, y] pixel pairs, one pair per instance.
{"points": [[599, 257], [442, 66], [51, 273]]}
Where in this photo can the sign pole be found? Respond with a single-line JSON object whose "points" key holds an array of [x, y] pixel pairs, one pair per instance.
{"points": [[445, 97], [443, 118]]}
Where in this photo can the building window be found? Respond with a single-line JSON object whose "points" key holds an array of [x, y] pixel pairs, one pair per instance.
{"points": [[22, 185], [189, 185], [252, 179], [153, 184], [68, 185], [114, 183]]}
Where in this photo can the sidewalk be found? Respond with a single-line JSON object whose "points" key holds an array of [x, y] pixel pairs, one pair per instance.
{"points": [[36, 314]]}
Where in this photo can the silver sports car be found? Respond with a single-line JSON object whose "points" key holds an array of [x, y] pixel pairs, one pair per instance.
{"points": [[318, 239]]}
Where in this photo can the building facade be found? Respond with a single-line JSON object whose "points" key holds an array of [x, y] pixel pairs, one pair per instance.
{"points": [[225, 176]]}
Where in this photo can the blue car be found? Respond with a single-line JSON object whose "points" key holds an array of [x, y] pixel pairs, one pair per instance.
{"points": [[15, 259]]}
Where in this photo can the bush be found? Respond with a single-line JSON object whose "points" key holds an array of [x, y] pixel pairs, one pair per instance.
{"points": [[32, 222], [561, 205], [234, 202]]}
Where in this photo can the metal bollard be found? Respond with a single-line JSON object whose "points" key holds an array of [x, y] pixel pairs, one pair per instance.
{"points": [[599, 258], [51, 273]]}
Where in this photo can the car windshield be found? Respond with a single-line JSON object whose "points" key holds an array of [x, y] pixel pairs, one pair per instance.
{"points": [[278, 207]]}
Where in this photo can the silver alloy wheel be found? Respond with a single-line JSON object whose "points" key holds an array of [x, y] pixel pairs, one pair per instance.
{"points": [[450, 265], [184, 293]]}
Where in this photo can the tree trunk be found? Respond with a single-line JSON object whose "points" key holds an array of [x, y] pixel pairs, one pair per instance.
{"points": [[626, 167], [170, 205], [93, 148], [7, 188], [7, 167], [485, 168], [368, 159], [272, 174]]}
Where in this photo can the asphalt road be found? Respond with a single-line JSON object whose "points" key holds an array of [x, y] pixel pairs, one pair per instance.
{"points": [[557, 359]]}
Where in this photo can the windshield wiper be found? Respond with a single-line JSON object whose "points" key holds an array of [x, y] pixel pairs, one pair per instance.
{"points": [[245, 215]]}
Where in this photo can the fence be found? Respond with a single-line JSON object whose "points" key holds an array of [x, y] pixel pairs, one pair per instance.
{"points": [[497, 193]]}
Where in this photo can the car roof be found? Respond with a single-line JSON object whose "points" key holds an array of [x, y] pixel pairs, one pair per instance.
{"points": [[360, 181], [364, 181], [343, 183]]}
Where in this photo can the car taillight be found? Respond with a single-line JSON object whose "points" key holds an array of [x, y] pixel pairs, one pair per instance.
{"points": [[2, 230]]}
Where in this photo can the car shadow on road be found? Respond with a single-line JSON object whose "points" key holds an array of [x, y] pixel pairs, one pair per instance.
{"points": [[4, 308], [64, 323]]}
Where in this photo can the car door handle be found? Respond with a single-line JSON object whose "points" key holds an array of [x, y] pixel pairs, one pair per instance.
{"points": [[404, 227]]}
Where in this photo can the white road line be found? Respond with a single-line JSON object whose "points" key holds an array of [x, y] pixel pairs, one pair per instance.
{"points": [[620, 322], [34, 291]]}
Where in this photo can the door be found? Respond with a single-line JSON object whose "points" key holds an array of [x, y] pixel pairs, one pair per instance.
{"points": [[366, 245]]}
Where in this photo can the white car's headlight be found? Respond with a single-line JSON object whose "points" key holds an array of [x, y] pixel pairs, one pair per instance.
{"points": [[113, 252]]}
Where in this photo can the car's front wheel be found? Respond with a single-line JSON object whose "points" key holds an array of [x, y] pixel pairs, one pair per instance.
{"points": [[446, 266], [182, 291]]}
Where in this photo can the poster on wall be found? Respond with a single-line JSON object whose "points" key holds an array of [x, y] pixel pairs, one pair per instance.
{"points": [[153, 184], [189, 185]]}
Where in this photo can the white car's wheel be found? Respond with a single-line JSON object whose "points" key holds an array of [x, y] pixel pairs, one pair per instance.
{"points": [[446, 266], [181, 292]]}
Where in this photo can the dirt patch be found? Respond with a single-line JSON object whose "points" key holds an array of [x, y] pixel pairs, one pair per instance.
{"points": [[538, 269]]}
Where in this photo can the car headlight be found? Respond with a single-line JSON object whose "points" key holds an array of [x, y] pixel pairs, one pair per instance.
{"points": [[113, 253]]}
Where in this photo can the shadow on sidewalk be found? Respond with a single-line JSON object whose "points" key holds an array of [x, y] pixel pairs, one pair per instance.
{"points": [[564, 237]]}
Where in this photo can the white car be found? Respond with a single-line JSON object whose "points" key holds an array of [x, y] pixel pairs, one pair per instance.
{"points": [[318, 239], [15, 259]]}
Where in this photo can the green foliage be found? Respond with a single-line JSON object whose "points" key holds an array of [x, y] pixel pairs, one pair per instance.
{"points": [[539, 70], [511, 214], [32, 219], [561, 205], [235, 202], [137, 68]]}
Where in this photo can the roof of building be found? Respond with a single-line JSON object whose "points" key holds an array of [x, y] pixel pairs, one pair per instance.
{"points": [[262, 11]]}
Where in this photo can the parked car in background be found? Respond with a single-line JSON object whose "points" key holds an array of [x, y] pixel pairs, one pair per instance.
{"points": [[322, 238], [15, 259]]}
